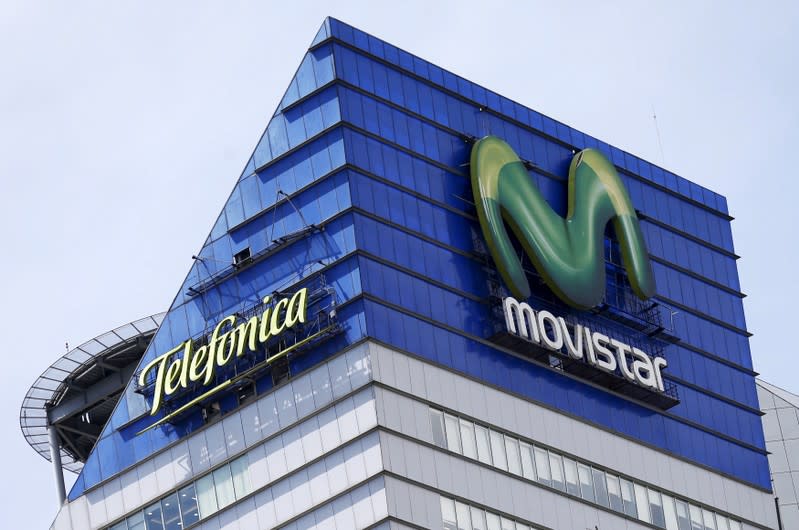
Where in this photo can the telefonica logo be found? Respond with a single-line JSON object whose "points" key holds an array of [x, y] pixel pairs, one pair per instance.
{"points": [[568, 253], [198, 364]]}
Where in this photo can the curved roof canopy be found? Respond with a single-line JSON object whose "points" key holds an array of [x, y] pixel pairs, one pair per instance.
{"points": [[78, 392]]}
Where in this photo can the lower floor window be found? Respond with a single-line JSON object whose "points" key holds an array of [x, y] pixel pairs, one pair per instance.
{"points": [[457, 515], [554, 470]]}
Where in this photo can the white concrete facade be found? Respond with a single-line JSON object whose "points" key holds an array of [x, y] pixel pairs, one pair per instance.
{"points": [[781, 428], [351, 445]]}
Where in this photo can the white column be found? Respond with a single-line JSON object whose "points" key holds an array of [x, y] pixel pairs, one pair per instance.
{"points": [[55, 458]]}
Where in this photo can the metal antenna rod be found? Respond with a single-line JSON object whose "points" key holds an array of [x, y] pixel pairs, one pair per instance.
{"points": [[657, 133]]}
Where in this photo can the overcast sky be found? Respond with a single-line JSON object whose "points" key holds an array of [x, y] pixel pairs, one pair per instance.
{"points": [[123, 127]]}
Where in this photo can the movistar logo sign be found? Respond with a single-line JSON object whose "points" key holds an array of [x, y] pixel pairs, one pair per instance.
{"points": [[568, 253]]}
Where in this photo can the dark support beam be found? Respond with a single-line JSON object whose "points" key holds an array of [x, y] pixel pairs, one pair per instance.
{"points": [[72, 385], [91, 396], [139, 345], [88, 430], [110, 368], [79, 455]]}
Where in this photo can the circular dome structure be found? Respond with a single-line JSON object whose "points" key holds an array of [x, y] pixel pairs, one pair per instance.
{"points": [[76, 395]]}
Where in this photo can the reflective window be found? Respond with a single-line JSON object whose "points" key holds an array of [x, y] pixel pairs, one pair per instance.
{"points": [[188, 505], [683, 519], [206, 496], [223, 483], [241, 476], [171, 512], [459, 516], [232, 481], [468, 440], [642, 501], [498, 450], [483, 444], [614, 493], [453, 433], [492, 521], [656, 509], [136, 521], [670, 514], [514, 458], [478, 519], [448, 514], [542, 466], [600, 487], [528, 468], [696, 517], [570, 473], [556, 471], [463, 516], [586, 482], [437, 421], [709, 520], [628, 498], [152, 517]]}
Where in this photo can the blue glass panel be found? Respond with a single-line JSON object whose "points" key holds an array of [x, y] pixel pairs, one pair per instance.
{"points": [[276, 131], [323, 33]]}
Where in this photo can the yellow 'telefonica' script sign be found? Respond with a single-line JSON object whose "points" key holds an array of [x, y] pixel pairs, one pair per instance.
{"points": [[173, 373]]}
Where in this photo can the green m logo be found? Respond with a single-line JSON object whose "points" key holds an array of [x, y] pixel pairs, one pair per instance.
{"points": [[568, 253]]}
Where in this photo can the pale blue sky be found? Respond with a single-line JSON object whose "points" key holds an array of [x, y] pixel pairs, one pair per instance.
{"points": [[124, 126]]}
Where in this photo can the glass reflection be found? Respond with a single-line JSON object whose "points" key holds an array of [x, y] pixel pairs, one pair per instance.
{"points": [[464, 519], [696, 517], [642, 500], [614, 493], [556, 469], [206, 496], [136, 521], [709, 520], [453, 433], [241, 476], [514, 458], [542, 466], [152, 517], [188, 505], [575, 478], [498, 450], [628, 498], [600, 487], [683, 519], [528, 468], [656, 509], [483, 444], [171, 512], [437, 421], [448, 513], [586, 482], [467, 437], [478, 519], [669, 513], [224, 486], [572, 481], [492, 521]]}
